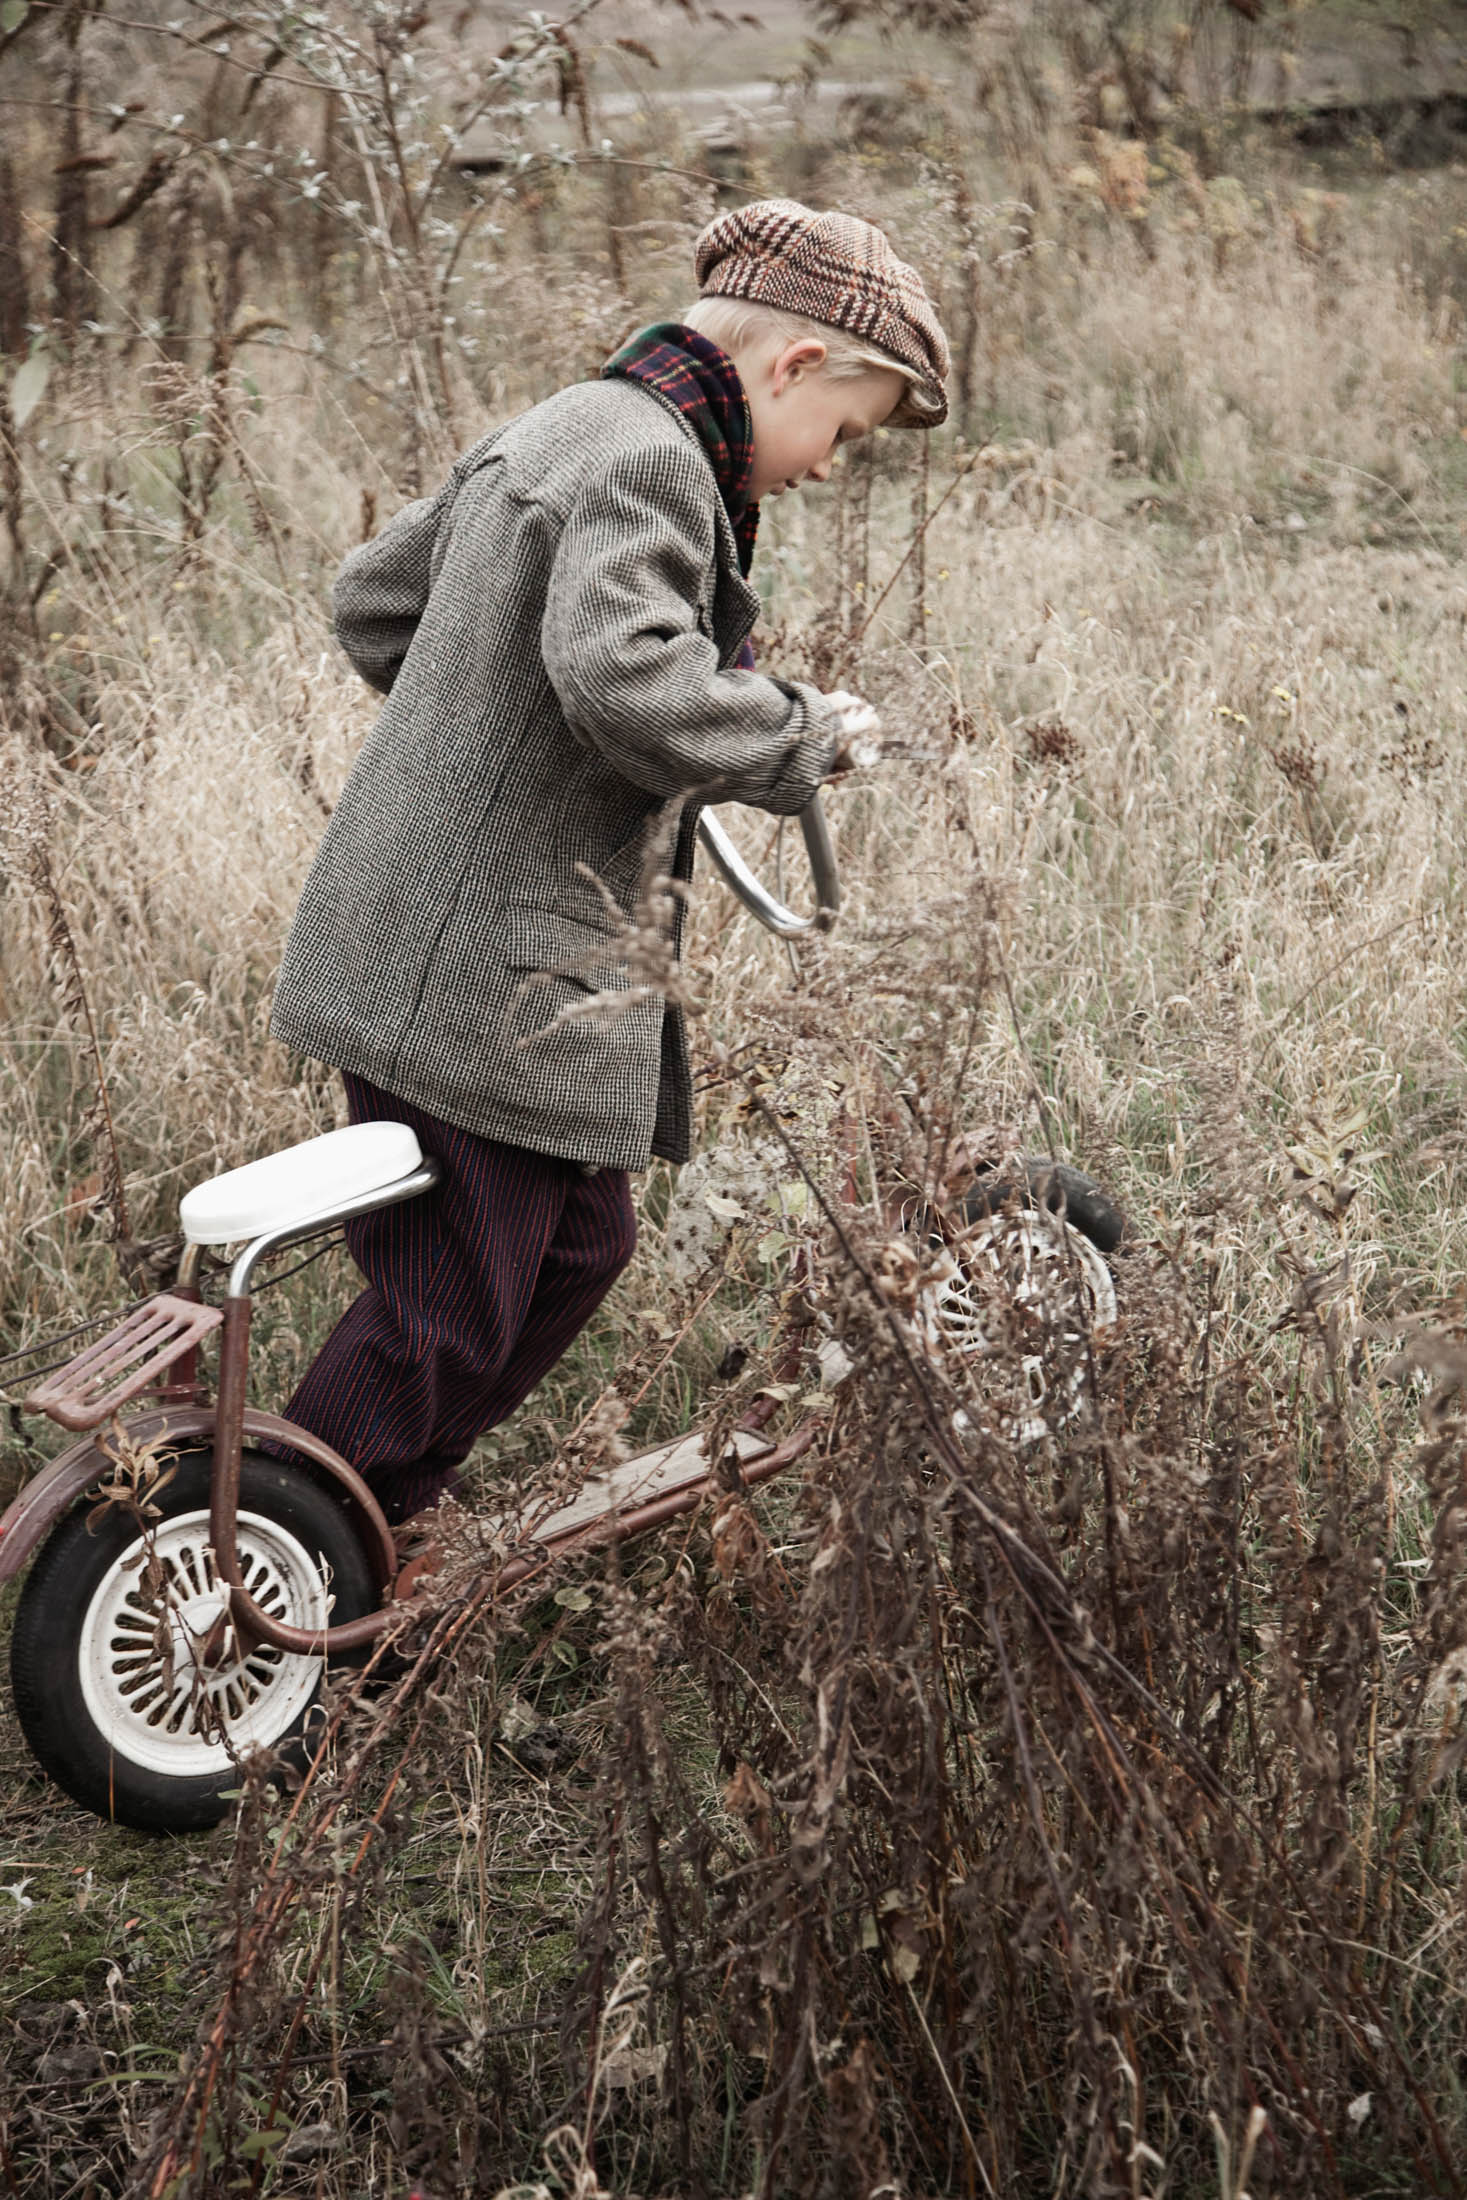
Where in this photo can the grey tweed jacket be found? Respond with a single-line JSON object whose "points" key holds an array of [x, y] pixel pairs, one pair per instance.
{"points": [[553, 631]]}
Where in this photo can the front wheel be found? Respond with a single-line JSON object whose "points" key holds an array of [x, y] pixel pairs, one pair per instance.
{"points": [[112, 1693], [1025, 1292]]}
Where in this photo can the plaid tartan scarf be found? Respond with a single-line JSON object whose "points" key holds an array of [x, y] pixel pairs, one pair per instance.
{"points": [[703, 382]]}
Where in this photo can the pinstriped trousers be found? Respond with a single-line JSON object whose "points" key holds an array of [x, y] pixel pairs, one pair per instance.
{"points": [[473, 1293]]}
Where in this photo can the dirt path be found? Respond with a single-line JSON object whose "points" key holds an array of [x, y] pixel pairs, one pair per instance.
{"points": [[742, 77]]}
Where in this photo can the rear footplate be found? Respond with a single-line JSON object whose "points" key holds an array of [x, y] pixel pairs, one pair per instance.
{"points": [[127, 1360]]}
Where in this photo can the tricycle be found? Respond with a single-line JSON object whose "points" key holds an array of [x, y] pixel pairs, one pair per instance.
{"points": [[197, 1567]]}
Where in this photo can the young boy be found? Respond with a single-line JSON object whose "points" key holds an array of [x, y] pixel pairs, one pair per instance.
{"points": [[562, 635]]}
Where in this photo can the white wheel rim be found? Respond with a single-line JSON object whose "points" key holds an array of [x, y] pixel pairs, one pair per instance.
{"points": [[1042, 1265], [197, 1720]]}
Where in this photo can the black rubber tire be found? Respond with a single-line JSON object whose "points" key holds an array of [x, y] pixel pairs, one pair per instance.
{"points": [[1055, 1185], [68, 1574]]}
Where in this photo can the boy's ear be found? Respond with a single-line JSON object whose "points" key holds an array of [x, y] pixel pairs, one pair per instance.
{"points": [[798, 360]]}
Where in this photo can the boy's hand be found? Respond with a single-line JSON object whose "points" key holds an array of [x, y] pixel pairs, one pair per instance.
{"points": [[859, 728]]}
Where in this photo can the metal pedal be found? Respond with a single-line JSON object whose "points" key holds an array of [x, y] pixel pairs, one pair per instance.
{"points": [[129, 1358]]}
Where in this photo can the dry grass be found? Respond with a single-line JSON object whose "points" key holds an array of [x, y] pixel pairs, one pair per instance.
{"points": [[1168, 832]]}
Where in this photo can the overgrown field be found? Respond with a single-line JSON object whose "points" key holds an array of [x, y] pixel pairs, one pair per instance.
{"points": [[979, 1809]]}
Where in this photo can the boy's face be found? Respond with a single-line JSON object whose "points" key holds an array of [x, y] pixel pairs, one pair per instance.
{"points": [[801, 416]]}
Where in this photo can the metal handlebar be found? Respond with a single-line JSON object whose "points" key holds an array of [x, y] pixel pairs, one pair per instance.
{"points": [[757, 898]]}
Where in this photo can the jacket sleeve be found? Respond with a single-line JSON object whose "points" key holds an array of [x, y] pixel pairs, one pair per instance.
{"points": [[636, 674], [382, 590]]}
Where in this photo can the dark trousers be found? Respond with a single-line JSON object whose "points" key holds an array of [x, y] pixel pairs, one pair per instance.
{"points": [[473, 1292]]}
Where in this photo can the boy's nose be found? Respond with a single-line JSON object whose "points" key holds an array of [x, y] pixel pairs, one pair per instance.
{"points": [[820, 471]]}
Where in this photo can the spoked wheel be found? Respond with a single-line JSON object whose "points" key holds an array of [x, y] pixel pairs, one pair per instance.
{"points": [[1024, 1297], [113, 1681]]}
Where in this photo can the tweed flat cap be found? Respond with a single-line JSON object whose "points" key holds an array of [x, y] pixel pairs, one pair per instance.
{"points": [[833, 268]]}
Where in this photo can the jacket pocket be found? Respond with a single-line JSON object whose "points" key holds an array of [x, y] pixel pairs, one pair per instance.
{"points": [[563, 948]]}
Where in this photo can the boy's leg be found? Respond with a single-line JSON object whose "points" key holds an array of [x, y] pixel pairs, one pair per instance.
{"points": [[594, 1239], [413, 1370]]}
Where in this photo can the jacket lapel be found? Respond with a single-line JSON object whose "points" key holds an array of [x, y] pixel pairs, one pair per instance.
{"points": [[735, 604]]}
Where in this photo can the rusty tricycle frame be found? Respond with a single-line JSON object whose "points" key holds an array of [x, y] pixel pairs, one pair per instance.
{"points": [[186, 1416], [163, 1336], [155, 1349]]}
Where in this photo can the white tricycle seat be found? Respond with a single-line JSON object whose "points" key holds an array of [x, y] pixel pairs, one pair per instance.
{"points": [[308, 1183]]}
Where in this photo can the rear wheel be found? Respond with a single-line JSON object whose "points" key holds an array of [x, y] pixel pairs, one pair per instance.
{"points": [[110, 1684]]}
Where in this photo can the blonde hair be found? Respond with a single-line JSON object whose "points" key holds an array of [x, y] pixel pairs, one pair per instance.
{"points": [[738, 323]]}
